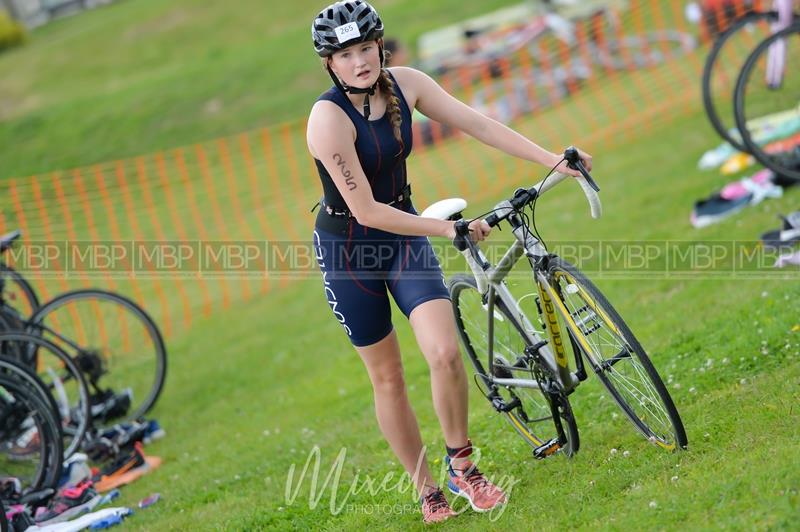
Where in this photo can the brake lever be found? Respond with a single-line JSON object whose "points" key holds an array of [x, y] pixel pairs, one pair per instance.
{"points": [[574, 161]]}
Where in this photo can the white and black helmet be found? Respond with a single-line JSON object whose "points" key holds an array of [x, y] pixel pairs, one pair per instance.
{"points": [[343, 24]]}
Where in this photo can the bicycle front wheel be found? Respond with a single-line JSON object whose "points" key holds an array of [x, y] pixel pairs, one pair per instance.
{"points": [[115, 343], [617, 358], [533, 416]]}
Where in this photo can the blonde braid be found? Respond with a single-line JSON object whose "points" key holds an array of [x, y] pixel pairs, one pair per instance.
{"points": [[386, 86]]}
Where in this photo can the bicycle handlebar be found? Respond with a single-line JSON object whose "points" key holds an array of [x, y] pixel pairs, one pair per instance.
{"points": [[523, 197]]}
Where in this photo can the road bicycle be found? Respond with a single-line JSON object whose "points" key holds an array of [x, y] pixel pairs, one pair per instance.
{"points": [[522, 365]]}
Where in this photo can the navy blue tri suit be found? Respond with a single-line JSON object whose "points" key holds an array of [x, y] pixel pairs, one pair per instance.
{"points": [[359, 264]]}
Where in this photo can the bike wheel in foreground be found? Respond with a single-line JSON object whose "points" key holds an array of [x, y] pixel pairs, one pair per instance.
{"points": [[617, 358], [115, 343], [532, 412]]}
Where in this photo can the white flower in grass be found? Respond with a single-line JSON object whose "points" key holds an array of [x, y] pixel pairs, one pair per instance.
{"points": [[764, 294], [236, 477], [709, 362], [725, 360], [613, 450], [675, 478], [743, 381], [677, 386], [626, 454], [692, 390], [280, 508], [706, 435], [266, 432], [614, 415], [653, 504], [702, 369]]}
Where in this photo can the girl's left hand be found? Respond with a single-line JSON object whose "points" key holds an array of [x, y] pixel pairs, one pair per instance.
{"points": [[585, 158]]}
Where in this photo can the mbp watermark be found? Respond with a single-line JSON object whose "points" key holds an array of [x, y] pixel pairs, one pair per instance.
{"points": [[298, 260]]}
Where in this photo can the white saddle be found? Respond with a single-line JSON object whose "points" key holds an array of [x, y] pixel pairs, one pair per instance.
{"points": [[445, 209]]}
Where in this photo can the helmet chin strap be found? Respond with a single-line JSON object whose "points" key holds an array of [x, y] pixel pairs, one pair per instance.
{"points": [[369, 91]]}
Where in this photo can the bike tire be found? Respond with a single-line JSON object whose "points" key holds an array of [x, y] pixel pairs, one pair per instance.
{"points": [[537, 426], [785, 165], [21, 295], [29, 351], [47, 470], [715, 107], [601, 328], [96, 328]]}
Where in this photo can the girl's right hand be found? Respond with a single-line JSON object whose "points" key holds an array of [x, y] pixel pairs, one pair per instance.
{"points": [[478, 230]]}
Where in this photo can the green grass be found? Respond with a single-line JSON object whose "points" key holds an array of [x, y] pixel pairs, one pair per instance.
{"points": [[253, 387]]}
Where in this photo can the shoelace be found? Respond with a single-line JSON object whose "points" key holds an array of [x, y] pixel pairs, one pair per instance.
{"points": [[436, 500], [475, 478]]}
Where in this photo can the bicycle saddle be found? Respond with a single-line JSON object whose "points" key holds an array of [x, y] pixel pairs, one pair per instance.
{"points": [[7, 240], [446, 209]]}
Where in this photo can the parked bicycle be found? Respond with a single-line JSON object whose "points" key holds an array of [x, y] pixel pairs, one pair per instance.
{"points": [[750, 87], [100, 351]]}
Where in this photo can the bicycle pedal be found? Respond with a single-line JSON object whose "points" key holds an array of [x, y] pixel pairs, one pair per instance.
{"points": [[501, 406], [548, 448]]}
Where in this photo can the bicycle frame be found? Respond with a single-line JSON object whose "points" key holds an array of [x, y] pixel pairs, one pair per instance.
{"points": [[552, 352]]}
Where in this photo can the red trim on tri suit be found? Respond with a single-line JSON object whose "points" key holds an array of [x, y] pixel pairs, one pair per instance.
{"points": [[347, 261]]}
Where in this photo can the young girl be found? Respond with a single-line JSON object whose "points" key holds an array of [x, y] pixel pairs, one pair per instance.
{"points": [[369, 240]]}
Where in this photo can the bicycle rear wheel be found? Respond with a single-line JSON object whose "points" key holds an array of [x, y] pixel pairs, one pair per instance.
{"points": [[115, 343], [767, 103], [617, 358], [722, 66], [534, 416]]}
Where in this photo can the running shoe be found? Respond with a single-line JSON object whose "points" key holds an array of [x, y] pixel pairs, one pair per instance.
{"points": [[69, 503], [473, 486], [435, 507]]}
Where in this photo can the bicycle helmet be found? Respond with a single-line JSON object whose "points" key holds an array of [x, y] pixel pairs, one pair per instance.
{"points": [[344, 24]]}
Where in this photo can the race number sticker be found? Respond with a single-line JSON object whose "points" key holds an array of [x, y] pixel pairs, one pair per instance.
{"points": [[347, 32]]}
